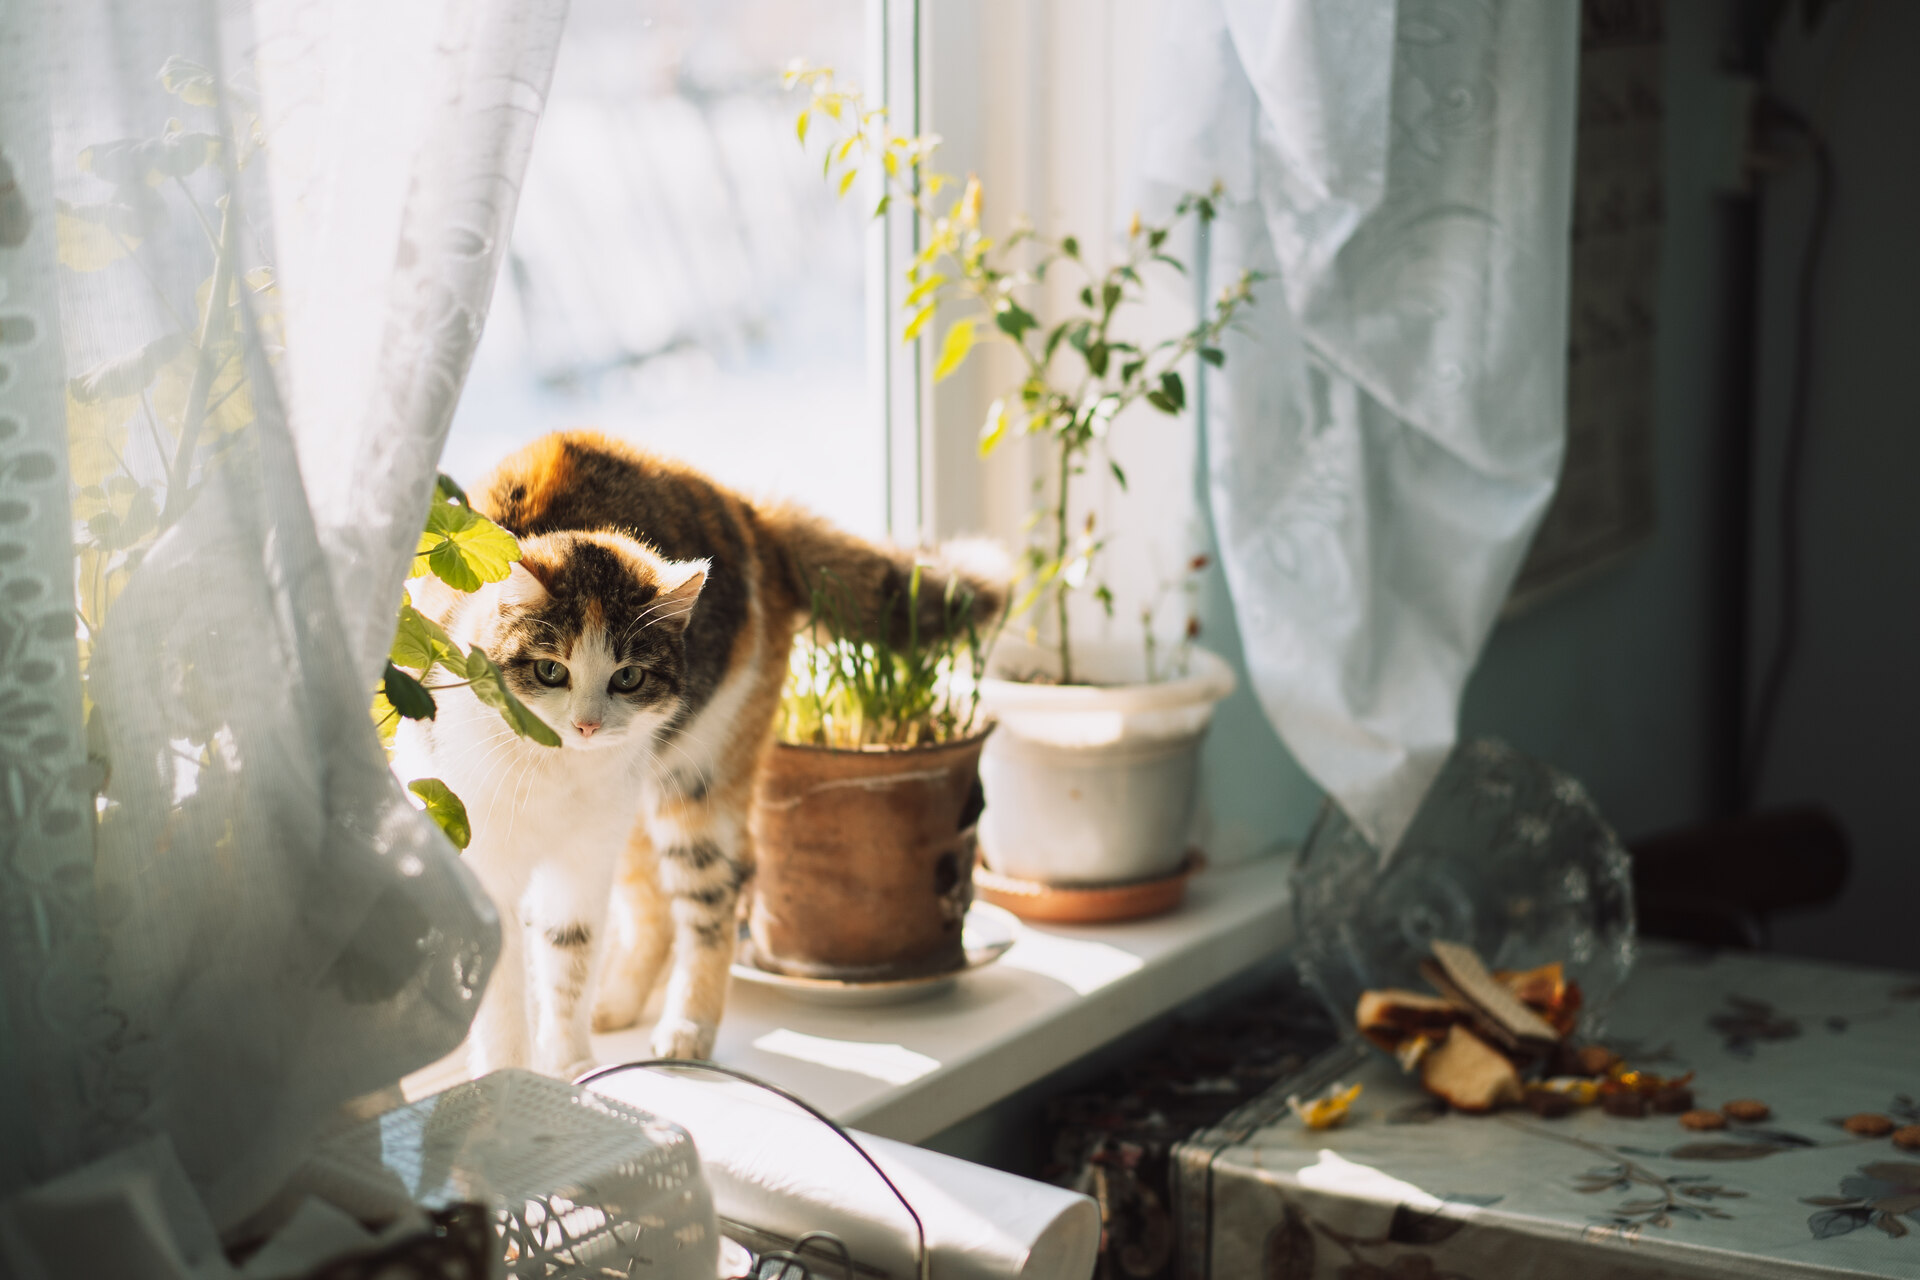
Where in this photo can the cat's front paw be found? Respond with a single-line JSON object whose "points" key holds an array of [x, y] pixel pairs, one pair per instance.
{"points": [[681, 1038], [615, 1011]]}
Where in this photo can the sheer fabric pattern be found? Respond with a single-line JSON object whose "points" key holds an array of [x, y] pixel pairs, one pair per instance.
{"points": [[245, 254], [1388, 428]]}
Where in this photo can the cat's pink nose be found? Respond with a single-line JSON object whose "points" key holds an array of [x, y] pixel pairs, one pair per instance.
{"points": [[586, 727]]}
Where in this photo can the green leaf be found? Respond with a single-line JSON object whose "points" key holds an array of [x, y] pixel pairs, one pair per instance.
{"points": [[879, 210], [1214, 356], [1053, 338], [1097, 359], [919, 292], [1131, 368], [1079, 334], [385, 718], [463, 548], [1086, 296], [406, 695], [1070, 247], [919, 322], [190, 81], [1174, 390], [1014, 320], [445, 808], [1159, 401], [1109, 296], [1104, 594], [446, 489], [995, 427], [954, 349], [490, 686], [419, 642], [1118, 474]]}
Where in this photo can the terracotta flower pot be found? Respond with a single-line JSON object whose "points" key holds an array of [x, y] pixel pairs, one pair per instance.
{"points": [[865, 859]]}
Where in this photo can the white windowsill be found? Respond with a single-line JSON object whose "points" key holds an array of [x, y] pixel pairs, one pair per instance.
{"points": [[908, 1071]]}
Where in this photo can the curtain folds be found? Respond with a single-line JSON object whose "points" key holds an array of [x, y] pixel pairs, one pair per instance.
{"points": [[1389, 426], [245, 254]]}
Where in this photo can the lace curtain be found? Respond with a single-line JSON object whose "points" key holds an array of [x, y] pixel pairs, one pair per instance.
{"points": [[245, 253], [1388, 429]]}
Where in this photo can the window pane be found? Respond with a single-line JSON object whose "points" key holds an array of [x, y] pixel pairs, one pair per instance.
{"points": [[680, 275]]}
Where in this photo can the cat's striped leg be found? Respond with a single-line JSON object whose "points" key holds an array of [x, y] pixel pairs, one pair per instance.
{"points": [[639, 937], [704, 861], [566, 932]]}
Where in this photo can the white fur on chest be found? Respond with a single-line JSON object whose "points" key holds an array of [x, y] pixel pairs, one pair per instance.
{"points": [[527, 804]]}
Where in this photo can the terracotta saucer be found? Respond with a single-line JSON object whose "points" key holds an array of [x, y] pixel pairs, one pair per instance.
{"points": [[1087, 904]]}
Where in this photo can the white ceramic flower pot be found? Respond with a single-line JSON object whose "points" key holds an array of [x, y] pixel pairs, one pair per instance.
{"points": [[1092, 783]]}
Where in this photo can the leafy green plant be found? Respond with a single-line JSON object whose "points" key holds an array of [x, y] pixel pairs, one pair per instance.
{"points": [[464, 550], [1077, 373], [851, 685]]}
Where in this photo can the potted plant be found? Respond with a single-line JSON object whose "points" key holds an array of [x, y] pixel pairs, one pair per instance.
{"points": [[863, 824], [1091, 779]]}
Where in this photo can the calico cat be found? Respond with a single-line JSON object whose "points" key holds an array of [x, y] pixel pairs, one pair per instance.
{"points": [[649, 622]]}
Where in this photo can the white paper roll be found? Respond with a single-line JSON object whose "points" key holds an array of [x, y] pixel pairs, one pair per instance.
{"points": [[783, 1172]]}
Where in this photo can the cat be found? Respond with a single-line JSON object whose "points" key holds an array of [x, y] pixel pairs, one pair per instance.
{"points": [[649, 621]]}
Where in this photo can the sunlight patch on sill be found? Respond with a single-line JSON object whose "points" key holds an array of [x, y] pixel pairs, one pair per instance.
{"points": [[1083, 966], [893, 1063]]}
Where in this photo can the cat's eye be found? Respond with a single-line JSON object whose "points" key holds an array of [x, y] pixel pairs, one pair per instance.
{"points": [[627, 679], [549, 673]]}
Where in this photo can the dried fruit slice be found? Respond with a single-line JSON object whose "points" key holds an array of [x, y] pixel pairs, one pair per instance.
{"points": [[1747, 1109], [1469, 1073], [1389, 1018], [1463, 973]]}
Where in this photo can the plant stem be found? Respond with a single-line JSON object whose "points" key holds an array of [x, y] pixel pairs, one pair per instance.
{"points": [[1060, 558], [213, 328]]}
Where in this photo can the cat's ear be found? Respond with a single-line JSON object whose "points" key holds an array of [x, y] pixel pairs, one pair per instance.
{"points": [[680, 582], [523, 588]]}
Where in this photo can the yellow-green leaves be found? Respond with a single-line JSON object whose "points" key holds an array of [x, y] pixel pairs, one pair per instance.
{"points": [[800, 126], [846, 181], [995, 427], [919, 292], [463, 548], [954, 350], [189, 81], [419, 642], [490, 686], [445, 808], [921, 319]]}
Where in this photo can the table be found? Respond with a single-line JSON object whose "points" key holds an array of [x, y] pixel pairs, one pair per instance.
{"points": [[1403, 1191]]}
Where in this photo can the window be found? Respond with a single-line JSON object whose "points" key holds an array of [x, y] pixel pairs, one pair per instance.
{"points": [[680, 276]]}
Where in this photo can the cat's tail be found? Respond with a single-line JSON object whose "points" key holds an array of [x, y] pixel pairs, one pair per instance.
{"points": [[963, 582]]}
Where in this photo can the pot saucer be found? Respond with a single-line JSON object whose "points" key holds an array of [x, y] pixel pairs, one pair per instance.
{"points": [[1088, 904], [986, 935]]}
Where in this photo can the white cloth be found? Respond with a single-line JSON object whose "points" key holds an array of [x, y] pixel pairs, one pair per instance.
{"points": [[781, 1171], [1389, 425], [250, 924]]}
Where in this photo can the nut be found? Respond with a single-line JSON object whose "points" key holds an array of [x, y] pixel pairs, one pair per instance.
{"points": [[1672, 1100], [1747, 1109], [1868, 1125], [1907, 1139], [1624, 1103], [1703, 1120], [1594, 1060], [1549, 1105]]}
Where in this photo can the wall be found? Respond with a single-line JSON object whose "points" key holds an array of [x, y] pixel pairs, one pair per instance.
{"points": [[1845, 734], [1608, 679]]}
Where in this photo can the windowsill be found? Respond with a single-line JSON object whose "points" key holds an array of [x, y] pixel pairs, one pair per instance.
{"points": [[908, 1071]]}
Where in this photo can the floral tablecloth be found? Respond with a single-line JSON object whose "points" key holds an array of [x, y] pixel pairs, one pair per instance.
{"points": [[1403, 1191]]}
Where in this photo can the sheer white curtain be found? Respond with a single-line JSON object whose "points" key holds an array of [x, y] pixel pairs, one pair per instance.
{"points": [[245, 253], [1388, 429]]}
